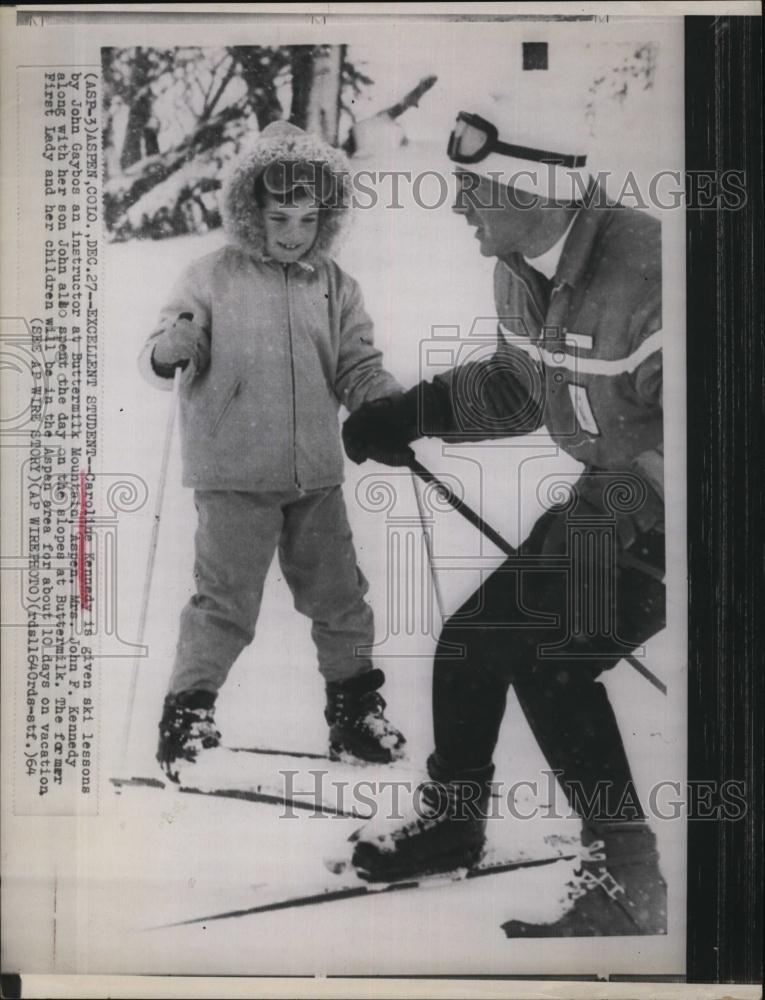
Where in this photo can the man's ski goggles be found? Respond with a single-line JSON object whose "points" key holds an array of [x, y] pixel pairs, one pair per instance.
{"points": [[474, 138]]}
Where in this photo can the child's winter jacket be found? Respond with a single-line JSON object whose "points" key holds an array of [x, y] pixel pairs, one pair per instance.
{"points": [[288, 344]]}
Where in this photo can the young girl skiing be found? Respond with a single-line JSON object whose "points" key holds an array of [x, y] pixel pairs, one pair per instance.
{"points": [[272, 337]]}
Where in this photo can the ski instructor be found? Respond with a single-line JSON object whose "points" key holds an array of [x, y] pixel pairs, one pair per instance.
{"points": [[577, 289]]}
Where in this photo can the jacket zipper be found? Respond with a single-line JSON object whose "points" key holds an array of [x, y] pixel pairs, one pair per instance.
{"points": [[226, 406], [292, 376]]}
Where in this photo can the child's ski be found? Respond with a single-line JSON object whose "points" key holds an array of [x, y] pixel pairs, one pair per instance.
{"points": [[259, 793], [316, 784], [345, 759], [557, 848], [271, 752]]}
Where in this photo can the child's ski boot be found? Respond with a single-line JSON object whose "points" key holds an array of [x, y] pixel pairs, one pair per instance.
{"points": [[187, 726], [357, 725]]}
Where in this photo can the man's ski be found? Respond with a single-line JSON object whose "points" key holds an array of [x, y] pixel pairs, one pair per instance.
{"points": [[559, 849]]}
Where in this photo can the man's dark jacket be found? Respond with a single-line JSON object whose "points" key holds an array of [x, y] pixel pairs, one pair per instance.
{"points": [[581, 354]]}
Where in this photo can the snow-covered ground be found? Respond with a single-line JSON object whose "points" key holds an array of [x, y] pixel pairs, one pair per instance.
{"points": [[157, 857]]}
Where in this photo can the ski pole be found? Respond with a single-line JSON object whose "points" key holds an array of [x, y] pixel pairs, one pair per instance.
{"points": [[448, 494], [149, 576], [429, 550], [467, 512]]}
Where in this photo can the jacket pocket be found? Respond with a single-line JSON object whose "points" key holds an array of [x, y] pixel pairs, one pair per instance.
{"points": [[233, 393]]}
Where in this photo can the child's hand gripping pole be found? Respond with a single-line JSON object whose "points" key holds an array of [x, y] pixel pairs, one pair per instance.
{"points": [[419, 470], [146, 595]]}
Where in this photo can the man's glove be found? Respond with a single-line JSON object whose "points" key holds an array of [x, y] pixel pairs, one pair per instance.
{"points": [[381, 430], [183, 344]]}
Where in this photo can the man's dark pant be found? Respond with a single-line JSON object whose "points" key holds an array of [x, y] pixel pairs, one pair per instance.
{"points": [[550, 631]]}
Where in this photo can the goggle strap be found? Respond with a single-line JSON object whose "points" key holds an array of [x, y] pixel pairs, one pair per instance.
{"points": [[493, 144], [539, 155]]}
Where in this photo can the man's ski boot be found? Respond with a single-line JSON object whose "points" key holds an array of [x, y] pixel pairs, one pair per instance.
{"points": [[187, 726], [446, 830], [618, 888], [357, 725]]}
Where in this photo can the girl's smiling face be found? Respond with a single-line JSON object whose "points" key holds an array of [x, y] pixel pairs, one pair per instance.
{"points": [[291, 225]]}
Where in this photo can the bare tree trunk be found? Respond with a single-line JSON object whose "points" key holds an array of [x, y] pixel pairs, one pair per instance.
{"points": [[140, 110], [111, 153], [151, 137], [132, 148], [323, 113], [302, 83]]}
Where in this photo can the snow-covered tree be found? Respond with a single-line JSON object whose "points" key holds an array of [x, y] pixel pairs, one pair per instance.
{"points": [[173, 117]]}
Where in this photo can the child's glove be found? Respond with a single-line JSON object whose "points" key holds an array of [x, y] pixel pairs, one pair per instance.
{"points": [[381, 430], [183, 345]]}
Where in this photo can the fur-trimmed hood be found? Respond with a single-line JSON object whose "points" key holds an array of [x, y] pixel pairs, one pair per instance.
{"points": [[242, 217]]}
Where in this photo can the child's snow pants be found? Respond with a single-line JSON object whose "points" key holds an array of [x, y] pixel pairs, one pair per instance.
{"points": [[237, 535]]}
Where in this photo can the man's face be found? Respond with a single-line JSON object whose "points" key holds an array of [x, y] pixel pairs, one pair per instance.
{"points": [[505, 221], [291, 226]]}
